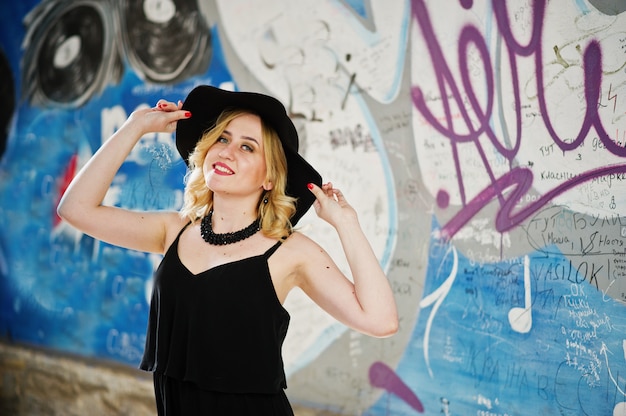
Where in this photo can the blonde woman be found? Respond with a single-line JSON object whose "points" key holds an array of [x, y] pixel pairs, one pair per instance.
{"points": [[231, 254]]}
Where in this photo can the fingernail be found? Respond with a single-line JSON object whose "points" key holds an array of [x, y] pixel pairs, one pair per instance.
{"points": [[188, 114], [309, 185]]}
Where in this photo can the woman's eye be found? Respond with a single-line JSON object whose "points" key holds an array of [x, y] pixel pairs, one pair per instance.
{"points": [[222, 140], [246, 148]]}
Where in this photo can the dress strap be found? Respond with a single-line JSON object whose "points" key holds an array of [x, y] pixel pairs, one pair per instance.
{"points": [[272, 249], [182, 229]]}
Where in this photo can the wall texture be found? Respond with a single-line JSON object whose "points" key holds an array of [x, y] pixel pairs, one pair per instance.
{"points": [[483, 144]]}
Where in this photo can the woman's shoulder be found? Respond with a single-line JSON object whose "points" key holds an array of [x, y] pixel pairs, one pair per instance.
{"points": [[173, 224], [301, 246], [173, 220], [295, 255], [298, 240]]}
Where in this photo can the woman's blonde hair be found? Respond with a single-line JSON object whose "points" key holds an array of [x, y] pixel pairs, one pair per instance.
{"points": [[274, 208]]}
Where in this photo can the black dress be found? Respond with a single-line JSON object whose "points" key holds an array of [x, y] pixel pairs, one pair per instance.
{"points": [[214, 339]]}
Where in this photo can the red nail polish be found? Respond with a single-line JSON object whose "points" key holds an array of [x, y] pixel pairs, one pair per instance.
{"points": [[310, 186], [188, 114]]}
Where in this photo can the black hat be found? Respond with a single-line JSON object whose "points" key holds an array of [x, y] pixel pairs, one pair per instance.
{"points": [[206, 103]]}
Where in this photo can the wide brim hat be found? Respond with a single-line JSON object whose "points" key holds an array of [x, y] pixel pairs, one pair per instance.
{"points": [[206, 103]]}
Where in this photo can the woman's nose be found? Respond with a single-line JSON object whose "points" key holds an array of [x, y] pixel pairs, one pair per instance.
{"points": [[226, 152]]}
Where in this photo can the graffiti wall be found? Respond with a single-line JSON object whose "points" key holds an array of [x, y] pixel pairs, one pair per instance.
{"points": [[482, 143]]}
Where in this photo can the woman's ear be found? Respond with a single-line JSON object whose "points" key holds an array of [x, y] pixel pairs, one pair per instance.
{"points": [[268, 185]]}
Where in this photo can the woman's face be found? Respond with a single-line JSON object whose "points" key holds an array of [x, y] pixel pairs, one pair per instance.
{"points": [[235, 164]]}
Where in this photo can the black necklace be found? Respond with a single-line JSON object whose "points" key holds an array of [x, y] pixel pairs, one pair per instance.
{"points": [[206, 231]]}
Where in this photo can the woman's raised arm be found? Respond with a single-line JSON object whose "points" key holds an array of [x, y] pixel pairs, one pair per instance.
{"points": [[368, 304], [81, 205]]}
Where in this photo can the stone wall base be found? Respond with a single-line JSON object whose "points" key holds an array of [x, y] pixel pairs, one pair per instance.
{"points": [[35, 382]]}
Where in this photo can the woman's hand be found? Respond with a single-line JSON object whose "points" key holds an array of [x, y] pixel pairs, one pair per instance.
{"points": [[331, 206], [160, 118]]}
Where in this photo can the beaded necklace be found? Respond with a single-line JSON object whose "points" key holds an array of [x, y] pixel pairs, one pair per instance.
{"points": [[206, 231]]}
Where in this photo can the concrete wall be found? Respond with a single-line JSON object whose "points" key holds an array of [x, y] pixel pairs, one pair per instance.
{"points": [[482, 143]]}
